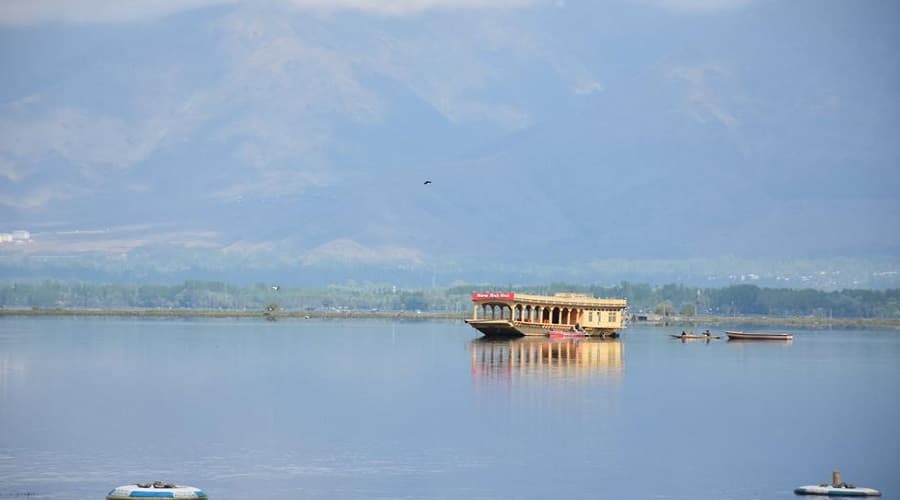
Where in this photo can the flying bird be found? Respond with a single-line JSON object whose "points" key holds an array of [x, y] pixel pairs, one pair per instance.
{"points": [[276, 287], [427, 182]]}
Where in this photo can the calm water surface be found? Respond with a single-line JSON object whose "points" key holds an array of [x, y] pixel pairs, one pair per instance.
{"points": [[297, 409]]}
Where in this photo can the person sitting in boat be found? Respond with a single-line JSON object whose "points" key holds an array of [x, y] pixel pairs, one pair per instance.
{"points": [[707, 332], [683, 333], [578, 328]]}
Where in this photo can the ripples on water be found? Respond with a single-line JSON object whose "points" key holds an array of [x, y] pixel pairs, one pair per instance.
{"points": [[368, 409]]}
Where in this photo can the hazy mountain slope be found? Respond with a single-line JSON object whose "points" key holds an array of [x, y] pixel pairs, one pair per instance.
{"points": [[553, 133]]}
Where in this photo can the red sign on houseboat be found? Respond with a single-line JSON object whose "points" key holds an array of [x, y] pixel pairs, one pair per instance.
{"points": [[477, 296]]}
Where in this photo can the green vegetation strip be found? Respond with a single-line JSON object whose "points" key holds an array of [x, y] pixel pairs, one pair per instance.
{"points": [[218, 313], [216, 299], [679, 322]]}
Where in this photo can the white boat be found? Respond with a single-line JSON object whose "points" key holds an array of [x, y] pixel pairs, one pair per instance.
{"points": [[841, 490], [158, 489]]}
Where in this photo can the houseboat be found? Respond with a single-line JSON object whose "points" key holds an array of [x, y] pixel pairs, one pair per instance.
{"points": [[510, 314]]}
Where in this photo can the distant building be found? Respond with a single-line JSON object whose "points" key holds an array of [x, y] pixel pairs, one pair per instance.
{"points": [[19, 236], [649, 317]]}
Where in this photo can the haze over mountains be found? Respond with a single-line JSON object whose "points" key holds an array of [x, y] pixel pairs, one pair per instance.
{"points": [[287, 136]]}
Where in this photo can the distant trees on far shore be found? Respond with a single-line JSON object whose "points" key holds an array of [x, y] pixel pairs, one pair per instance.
{"points": [[666, 300]]}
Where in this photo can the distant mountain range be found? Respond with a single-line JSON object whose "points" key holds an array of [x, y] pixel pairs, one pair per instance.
{"points": [[588, 140]]}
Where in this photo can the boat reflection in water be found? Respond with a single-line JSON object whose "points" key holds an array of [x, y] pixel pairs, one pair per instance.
{"points": [[531, 357]]}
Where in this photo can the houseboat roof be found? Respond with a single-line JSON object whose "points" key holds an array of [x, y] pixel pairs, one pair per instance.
{"points": [[561, 299]]}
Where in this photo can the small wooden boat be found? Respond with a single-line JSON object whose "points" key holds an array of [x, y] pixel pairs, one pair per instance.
{"points": [[694, 336], [733, 335], [841, 490]]}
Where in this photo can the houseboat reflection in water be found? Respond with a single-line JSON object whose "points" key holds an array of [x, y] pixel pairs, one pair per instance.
{"points": [[536, 357]]}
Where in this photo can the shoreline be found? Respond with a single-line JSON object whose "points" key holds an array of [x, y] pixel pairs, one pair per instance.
{"points": [[787, 322], [226, 313], [405, 315]]}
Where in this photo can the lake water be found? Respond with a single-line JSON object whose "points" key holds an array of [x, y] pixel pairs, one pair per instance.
{"points": [[295, 409]]}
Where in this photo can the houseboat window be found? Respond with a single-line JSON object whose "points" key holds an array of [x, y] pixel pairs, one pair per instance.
{"points": [[612, 317], [591, 316]]}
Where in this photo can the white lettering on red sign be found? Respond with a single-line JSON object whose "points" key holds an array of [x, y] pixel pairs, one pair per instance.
{"points": [[493, 295]]}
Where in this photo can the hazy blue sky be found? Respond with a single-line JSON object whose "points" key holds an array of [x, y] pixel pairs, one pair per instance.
{"points": [[553, 131]]}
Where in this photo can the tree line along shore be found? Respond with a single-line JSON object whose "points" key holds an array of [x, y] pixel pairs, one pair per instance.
{"points": [[678, 321], [666, 304]]}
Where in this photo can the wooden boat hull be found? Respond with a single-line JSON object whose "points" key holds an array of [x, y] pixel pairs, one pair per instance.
{"points": [[507, 328], [732, 335]]}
